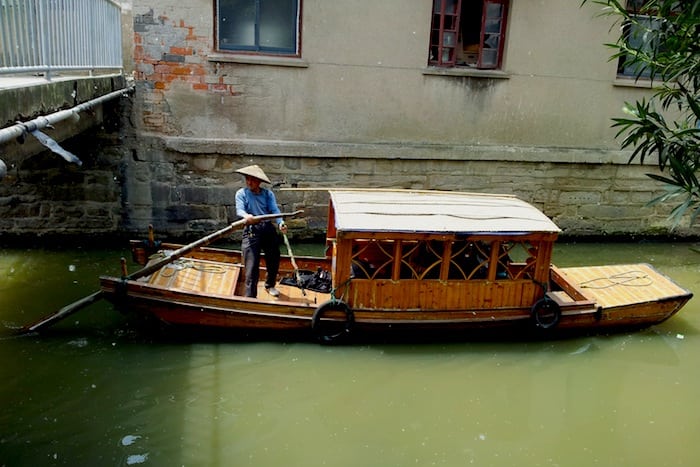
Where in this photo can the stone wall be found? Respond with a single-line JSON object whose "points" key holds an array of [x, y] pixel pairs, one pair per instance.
{"points": [[42, 195], [186, 187]]}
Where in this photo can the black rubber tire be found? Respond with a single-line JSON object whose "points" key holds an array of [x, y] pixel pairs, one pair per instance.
{"points": [[546, 313], [326, 336]]}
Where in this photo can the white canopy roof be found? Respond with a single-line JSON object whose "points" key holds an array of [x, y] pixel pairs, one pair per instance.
{"points": [[436, 212]]}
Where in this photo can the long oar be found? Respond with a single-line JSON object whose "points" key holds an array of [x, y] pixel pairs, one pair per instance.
{"points": [[294, 264], [85, 301]]}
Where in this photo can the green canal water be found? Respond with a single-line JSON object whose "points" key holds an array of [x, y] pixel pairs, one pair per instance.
{"points": [[98, 391]]}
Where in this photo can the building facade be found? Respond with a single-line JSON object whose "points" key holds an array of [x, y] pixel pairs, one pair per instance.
{"points": [[488, 96], [499, 96]]}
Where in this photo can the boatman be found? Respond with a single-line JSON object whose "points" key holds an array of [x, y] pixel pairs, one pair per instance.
{"points": [[254, 200]]}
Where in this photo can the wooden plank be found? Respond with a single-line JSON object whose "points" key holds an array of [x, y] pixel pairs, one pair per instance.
{"points": [[617, 285], [194, 275]]}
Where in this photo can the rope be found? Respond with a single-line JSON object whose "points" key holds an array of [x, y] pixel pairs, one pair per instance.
{"points": [[344, 284], [622, 278], [181, 264]]}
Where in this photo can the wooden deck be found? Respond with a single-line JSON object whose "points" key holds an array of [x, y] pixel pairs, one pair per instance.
{"points": [[195, 275], [619, 285], [220, 279]]}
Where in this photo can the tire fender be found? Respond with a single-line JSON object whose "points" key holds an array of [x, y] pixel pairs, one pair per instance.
{"points": [[327, 336], [546, 313]]}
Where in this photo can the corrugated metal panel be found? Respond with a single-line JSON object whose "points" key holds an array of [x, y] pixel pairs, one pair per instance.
{"points": [[435, 212]]}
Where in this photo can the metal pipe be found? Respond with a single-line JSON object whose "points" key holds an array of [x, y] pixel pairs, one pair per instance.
{"points": [[18, 129]]}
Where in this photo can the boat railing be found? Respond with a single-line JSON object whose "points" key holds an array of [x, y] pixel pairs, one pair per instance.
{"points": [[46, 36]]}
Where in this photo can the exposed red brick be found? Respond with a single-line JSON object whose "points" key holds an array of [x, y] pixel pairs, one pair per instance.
{"points": [[181, 50], [200, 86], [165, 69], [180, 70]]}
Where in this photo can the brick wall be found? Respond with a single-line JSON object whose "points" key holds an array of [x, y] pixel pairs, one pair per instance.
{"points": [[168, 51]]}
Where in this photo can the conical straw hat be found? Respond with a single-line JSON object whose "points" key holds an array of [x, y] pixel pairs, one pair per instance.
{"points": [[254, 171]]}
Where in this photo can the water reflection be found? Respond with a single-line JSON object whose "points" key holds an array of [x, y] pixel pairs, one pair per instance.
{"points": [[97, 391]]}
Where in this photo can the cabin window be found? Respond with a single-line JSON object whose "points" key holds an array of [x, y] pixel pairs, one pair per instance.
{"points": [[258, 26], [638, 34], [373, 259], [469, 260], [468, 33], [517, 260], [436, 259], [421, 259]]}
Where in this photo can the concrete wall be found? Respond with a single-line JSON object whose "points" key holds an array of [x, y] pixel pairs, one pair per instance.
{"points": [[359, 80]]}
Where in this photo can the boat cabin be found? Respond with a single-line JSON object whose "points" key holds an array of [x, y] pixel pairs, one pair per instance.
{"points": [[440, 251]]}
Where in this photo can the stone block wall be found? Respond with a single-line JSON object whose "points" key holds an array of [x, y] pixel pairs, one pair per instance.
{"points": [[185, 188], [43, 195]]}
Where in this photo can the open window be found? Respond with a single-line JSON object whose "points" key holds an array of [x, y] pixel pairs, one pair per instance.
{"points": [[468, 33], [258, 26]]}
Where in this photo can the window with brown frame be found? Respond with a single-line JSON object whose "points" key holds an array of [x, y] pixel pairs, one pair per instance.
{"points": [[468, 33]]}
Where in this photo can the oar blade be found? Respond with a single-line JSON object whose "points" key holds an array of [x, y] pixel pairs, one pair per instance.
{"points": [[63, 312]]}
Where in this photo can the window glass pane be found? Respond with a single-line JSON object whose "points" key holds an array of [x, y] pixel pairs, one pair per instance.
{"points": [[449, 38], [451, 7], [493, 10], [639, 37], [236, 23], [491, 41], [493, 25], [489, 57], [278, 24]]}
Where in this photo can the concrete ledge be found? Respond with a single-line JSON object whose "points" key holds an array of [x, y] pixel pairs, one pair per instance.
{"points": [[37, 96], [258, 60], [389, 151]]}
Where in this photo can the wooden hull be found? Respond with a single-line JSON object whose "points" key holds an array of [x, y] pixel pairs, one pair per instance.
{"points": [[205, 290]]}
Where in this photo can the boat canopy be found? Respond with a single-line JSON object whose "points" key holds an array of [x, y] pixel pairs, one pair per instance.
{"points": [[436, 212]]}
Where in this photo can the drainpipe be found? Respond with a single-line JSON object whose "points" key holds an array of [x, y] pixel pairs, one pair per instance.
{"points": [[20, 128]]}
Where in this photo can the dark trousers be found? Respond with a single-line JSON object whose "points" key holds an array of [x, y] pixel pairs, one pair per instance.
{"points": [[259, 238]]}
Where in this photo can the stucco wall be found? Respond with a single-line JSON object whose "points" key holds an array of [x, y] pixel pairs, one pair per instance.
{"points": [[359, 80]]}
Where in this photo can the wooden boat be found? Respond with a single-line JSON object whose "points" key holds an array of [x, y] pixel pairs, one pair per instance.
{"points": [[401, 262]]}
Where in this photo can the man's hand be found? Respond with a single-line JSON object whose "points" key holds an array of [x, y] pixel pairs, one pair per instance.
{"points": [[250, 219], [283, 228]]}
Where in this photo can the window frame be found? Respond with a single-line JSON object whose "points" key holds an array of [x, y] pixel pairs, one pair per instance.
{"points": [[437, 46], [501, 33], [257, 49]]}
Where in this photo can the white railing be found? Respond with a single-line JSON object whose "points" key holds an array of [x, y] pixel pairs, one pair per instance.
{"points": [[42, 36]]}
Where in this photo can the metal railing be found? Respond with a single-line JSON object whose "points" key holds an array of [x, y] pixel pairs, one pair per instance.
{"points": [[42, 36]]}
